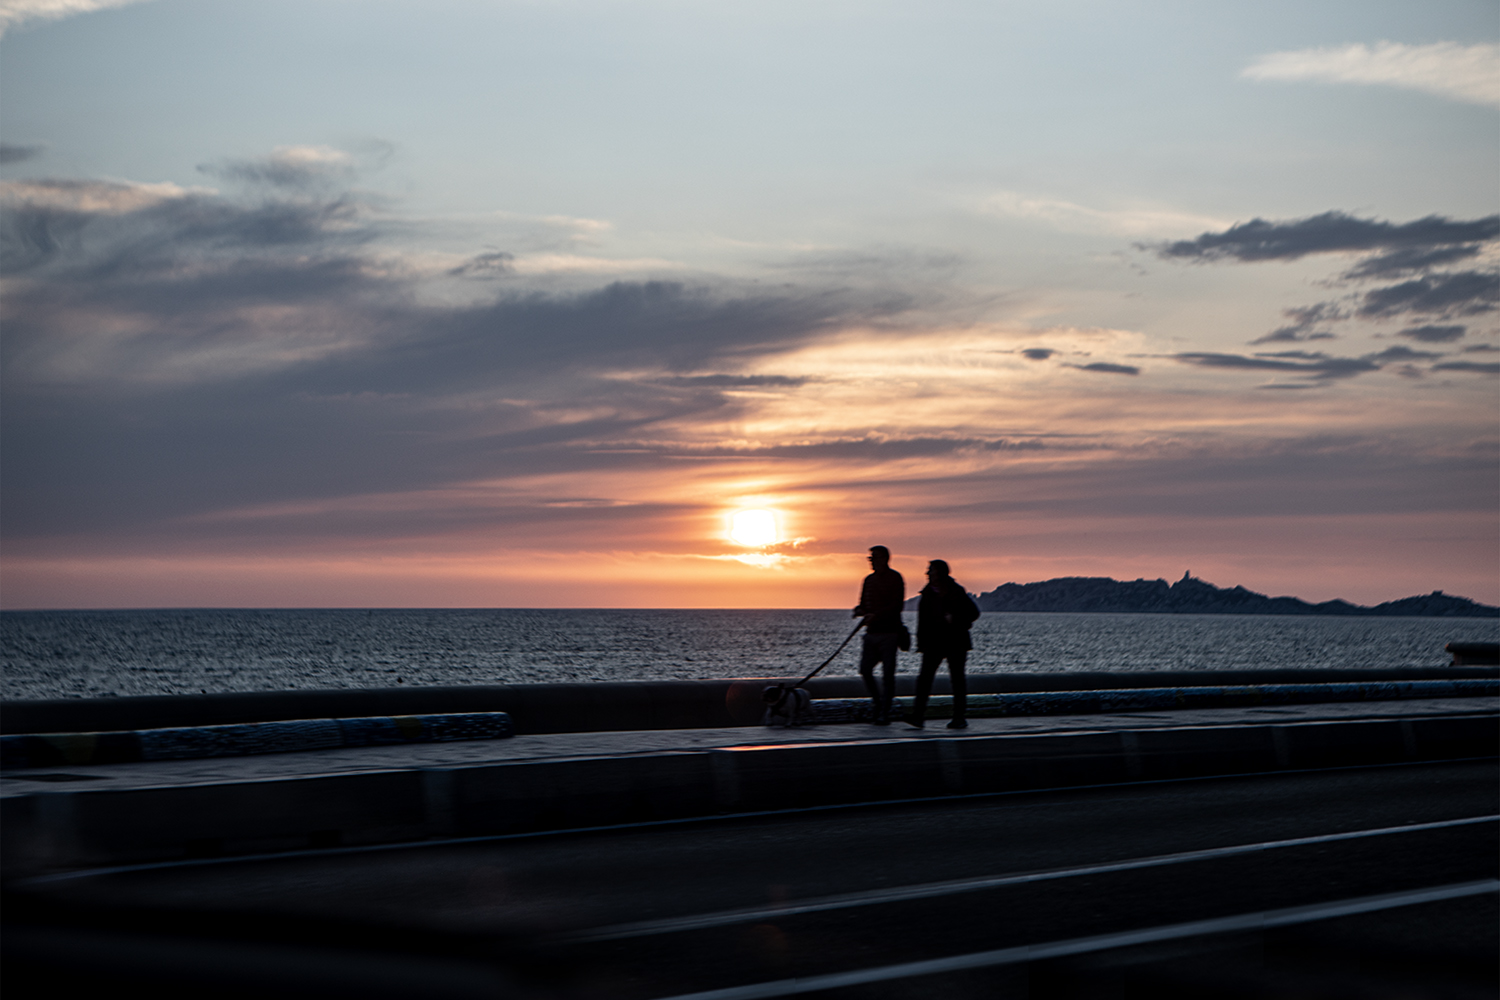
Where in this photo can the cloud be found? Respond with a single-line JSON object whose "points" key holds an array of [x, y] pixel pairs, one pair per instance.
{"points": [[1482, 367], [1481, 349], [1037, 353], [1304, 319], [170, 353], [296, 167], [1071, 217], [1433, 334], [14, 13], [1314, 366], [1466, 293], [1469, 73], [872, 448], [1104, 367], [269, 371], [92, 197], [1401, 352], [736, 381], [96, 230], [1319, 367], [1331, 232], [1391, 250], [1410, 260], [486, 265], [567, 263], [12, 153]]}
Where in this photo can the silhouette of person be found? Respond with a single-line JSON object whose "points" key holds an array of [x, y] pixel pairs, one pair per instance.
{"points": [[944, 615], [880, 600]]}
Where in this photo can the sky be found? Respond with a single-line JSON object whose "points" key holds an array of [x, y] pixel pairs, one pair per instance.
{"points": [[516, 303]]}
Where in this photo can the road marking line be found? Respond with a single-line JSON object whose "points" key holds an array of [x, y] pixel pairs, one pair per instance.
{"points": [[666, 925], [1263, 920]]}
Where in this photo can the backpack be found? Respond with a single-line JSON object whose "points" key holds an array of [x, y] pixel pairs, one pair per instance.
{"points": [[967, 611]]}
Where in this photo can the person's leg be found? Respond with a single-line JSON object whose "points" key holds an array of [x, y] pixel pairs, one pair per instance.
{"points": [[957, 661], [869, 656], [888, 688], [930, 663]]}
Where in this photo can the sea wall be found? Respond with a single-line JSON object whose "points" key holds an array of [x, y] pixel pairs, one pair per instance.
{"points": [[610, 705]]}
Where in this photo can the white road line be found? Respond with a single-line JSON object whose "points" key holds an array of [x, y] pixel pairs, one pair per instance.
{"points": [[1263, 920], [667, 925]]}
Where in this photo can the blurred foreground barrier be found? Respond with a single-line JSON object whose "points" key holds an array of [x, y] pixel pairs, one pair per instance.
{"points": [[187, 743], [983, 706], [70, 827]]}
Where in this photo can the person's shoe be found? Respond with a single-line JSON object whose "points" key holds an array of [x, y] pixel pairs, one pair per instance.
{"points": [[914, 723], [882, 720], [958, 724]]}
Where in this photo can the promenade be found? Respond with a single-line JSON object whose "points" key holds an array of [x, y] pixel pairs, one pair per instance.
{"points": [[1058, 855]]}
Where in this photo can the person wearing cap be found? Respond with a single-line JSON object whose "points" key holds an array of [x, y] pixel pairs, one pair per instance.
{"points": [[880, 600], [944, 614]]}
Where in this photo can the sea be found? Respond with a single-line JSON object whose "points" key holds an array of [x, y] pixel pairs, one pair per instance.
{"points": [[87, 654]]}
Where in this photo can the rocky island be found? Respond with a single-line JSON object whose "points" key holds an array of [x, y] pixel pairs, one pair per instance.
{"points": [[1192, 596]]}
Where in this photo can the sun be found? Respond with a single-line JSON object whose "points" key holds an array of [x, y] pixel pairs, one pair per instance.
{"points": [[754, 529]]}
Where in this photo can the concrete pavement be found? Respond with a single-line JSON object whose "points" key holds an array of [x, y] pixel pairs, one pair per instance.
{"points": [[149, 811]]}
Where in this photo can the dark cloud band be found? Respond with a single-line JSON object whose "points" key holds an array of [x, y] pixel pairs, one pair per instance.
{"points": [[1331, 232]]}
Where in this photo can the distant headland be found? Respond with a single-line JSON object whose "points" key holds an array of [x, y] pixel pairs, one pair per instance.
{"points": [[1191, 596]]}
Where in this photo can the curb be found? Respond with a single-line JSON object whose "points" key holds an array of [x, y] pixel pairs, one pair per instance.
{"points": [[193, 742], [989, 706], [196, 742], [61, 829]]}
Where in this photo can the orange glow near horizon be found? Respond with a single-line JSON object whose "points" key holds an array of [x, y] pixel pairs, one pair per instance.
{"points": [[948, 454], [1421, 552]]}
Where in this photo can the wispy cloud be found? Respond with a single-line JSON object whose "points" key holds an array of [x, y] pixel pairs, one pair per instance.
{"points": [[1480, 367], [14, 13], [295, 167], [1469, 73], [1106, 368], [570, 263], [11, 152], [1305, 320], [1072, 217], [1313, 366], [92, 197]]}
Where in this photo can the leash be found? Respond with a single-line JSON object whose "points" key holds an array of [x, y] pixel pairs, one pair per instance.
{"points": [[836, 652], [776, 695]]}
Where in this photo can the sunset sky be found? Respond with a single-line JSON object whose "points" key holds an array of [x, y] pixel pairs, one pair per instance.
{"points": [[515, 303]]}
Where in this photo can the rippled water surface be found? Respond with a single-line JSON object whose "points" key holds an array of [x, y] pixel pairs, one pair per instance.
{"points": [[49, 654]]}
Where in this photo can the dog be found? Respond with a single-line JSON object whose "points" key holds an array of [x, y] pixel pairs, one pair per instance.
{"points": [[786, 706]]}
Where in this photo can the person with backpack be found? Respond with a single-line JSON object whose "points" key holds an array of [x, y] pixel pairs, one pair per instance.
{"points": [[944, 615]]}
